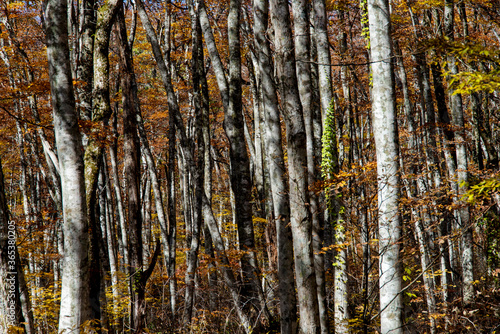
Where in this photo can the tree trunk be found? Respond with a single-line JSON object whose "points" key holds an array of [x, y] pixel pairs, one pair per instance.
{"points": [[170, 175], [275, 158], [132, 185], [111, 245], [120, 211], [74, 311], [240, 177], [302, 55], [388, 173], [324, 59], [457, 113], [196, 178], [93, 157], [341, 293], [297, 168]]}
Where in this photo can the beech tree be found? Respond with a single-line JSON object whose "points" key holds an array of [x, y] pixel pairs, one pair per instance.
{"points": [[276, 165], [388, 174], [75, 308], [297, 161]]}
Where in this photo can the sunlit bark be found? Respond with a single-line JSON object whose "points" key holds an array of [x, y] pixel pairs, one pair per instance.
{"points": [[74, 310], [388, 174], [297, 168], [276, 165]]}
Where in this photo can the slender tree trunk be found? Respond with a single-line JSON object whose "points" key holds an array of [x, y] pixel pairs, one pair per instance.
{"points": [[120, 211], [74, 309], [132, 184], [93, 157], [302, 55], [112, 245], [462, 167], [388, 174], [170, 175], [207, 177], [256, 143], [172, 218], [240, 176], [275, 158], [420, 226], [297, 169], [341, 293], [197, 177], [324, 59]]}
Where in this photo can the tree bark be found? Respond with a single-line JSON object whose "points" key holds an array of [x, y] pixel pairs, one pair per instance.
{"points": [[388, 173], [132, 185], [196, 178], [302, 55], [101, 111], [240, 176], [457, 113], [170, 174], [275, 158], [300, 216], [85, 68], [74, 311]]}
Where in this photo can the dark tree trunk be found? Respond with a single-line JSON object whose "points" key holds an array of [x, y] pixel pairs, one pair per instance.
{"points": [[132, 184], [94, 149]]}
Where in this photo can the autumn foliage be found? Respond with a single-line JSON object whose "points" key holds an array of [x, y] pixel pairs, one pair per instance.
{"points": [[193, 160]]}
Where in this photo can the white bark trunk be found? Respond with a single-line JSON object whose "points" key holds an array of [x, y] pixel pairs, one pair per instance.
{"points": [[387, 150], [74, 295], [463, 214]]}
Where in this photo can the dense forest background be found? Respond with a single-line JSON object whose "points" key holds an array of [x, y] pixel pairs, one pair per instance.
{"points": [[246, 166]]}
